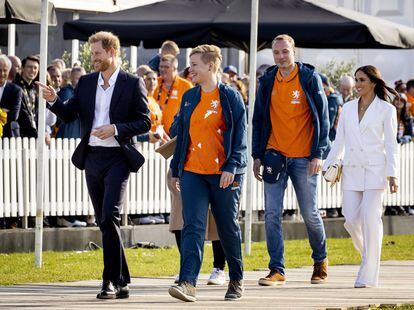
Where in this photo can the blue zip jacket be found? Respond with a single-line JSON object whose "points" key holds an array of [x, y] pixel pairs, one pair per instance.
{"points": [[235, 136], [312, 86]]}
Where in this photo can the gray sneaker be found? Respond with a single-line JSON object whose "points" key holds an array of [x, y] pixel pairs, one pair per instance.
{"points": [[184, 291], [235, 290]]}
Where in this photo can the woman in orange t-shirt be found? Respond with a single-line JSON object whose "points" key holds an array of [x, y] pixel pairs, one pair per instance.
{"points": [[209, 160]]}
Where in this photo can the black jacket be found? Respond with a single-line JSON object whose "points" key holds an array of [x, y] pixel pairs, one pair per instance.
{"points": [[28, 110], [11, 100], [128, 111]]}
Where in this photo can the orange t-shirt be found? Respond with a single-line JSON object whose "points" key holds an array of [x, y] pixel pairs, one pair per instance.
{"points": [[410, 99], [170, 100], [205, 154], [291, 117], [155, 113]]}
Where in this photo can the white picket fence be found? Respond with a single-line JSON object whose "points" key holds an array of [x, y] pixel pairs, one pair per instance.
{"points": [[66, 191]]}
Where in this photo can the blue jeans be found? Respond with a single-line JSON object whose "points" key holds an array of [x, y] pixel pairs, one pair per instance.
{"points": [[197, 192], [305, 189]]}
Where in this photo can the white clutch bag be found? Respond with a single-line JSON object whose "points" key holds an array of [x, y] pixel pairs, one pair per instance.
{"points": [[333, 174], [168, 148]]}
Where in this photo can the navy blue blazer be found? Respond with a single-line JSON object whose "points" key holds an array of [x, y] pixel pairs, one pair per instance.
{"points": [[11, 100], [128, 111]]}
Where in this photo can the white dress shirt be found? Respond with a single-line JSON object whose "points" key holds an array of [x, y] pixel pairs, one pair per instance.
{"points": [[102, 105]]}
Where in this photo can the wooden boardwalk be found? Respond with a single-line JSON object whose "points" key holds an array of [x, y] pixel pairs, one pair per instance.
{"points": [[396, 287]]}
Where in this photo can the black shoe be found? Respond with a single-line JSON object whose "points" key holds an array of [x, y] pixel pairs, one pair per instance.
{"points": [[3, 224], [400, 210], [390, 211], [107, 291], [121, 291], [332, 213], [235, 290], [46, 222]]}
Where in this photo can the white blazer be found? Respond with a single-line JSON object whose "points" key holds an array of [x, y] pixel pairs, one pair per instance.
{"points": [[369, 149]]}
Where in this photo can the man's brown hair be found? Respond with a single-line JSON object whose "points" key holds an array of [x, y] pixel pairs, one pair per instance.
{"points": [[171, 59], [108, 39], [170, 46]]}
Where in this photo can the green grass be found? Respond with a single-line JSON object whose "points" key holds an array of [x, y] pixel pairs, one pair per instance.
{"points": [[72, 266]]}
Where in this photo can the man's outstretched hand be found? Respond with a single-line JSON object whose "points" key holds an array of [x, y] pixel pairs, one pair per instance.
{"points": [[49, 94]]}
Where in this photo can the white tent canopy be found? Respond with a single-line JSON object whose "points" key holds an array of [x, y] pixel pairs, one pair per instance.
{"points": [[107, 6]]}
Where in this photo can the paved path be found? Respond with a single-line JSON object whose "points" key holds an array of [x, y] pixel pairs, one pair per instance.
{"points": [[397, 287]]}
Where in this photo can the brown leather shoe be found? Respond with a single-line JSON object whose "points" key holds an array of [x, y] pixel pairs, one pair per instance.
{"points": [[272, 279], [320, 272]]}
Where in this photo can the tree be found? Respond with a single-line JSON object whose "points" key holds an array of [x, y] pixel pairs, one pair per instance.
{"points": [[335, 70]]}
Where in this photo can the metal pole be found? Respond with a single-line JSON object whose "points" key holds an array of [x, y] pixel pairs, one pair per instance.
{"points": [[40, 145], [26, 186], [11, 40], [242, 62], [75, 43], [133, 58], [252, 97], [187, 56]]}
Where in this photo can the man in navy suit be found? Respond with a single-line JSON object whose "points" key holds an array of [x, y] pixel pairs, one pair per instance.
{"points": [[10, 99], [112, 107]]}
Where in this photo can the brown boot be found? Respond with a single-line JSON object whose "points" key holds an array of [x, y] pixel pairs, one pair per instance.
{"points": [[272, 279], [320, 272]]}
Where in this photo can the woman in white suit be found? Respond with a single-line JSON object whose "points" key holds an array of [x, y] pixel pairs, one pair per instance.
{"points": [[366, 141]]}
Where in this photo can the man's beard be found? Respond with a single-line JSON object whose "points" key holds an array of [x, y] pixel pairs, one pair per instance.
{"points": [[103, 65]]}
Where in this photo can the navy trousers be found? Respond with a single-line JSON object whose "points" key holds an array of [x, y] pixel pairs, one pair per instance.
{"points": [[107, 173]]}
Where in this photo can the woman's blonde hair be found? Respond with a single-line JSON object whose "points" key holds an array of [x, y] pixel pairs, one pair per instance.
{"points": [[209, 53]]}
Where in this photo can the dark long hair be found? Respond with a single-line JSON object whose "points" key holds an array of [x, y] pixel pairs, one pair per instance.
{"points": [[381, 89]]}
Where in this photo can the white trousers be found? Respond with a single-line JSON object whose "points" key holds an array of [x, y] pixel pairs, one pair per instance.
{"points": [[362, 211]]}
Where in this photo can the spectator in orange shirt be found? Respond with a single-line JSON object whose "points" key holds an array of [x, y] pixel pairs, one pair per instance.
{"points": [[410, 94], [156, 133], [168, 94], [170, 90]]}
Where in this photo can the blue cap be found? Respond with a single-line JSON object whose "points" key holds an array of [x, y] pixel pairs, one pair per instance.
{"points": [[230, 68]]}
